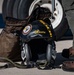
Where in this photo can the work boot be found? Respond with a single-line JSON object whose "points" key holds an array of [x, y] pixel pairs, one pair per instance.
{"points": [[68, 66], [68, 53]]}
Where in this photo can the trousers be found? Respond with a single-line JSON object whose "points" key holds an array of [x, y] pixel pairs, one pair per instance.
{"points": [[68, 6]]}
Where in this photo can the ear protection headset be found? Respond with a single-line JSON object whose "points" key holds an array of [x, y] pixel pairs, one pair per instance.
{"points": [[38, 29]]}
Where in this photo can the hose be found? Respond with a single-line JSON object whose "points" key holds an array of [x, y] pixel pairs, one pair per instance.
{"points": [[13, 64]]}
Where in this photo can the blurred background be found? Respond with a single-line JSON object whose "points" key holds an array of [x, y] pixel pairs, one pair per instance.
{"points": [[2, 24]]}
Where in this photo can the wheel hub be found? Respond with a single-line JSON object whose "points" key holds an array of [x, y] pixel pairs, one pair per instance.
{"points": [[57, 15]]}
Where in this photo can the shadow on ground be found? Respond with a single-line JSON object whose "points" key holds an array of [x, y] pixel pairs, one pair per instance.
{"points": [[60, 59]]}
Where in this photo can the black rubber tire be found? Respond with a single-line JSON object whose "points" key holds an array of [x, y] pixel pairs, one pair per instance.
{"points": [[62, 28], [23, 8], [8, 8], [15, 8], [19, 9], [4, 8]]}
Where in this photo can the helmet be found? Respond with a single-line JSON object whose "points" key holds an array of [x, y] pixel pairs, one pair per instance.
{"points": [[38, 29], [37, 41]]}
